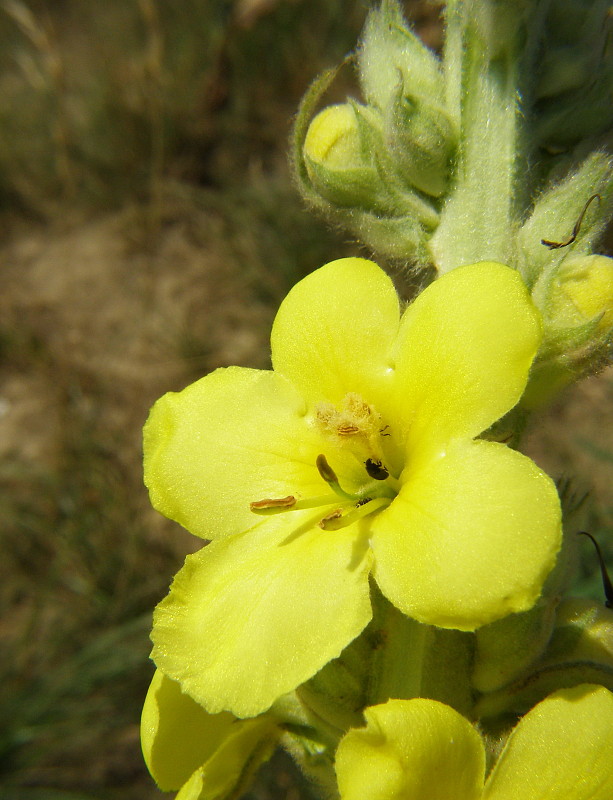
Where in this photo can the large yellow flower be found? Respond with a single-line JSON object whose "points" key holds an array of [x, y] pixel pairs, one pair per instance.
{"points": [[360, 447], [424, 750]]}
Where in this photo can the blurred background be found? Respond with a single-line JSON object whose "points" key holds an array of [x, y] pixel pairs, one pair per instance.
{"points": [[148, 231]]}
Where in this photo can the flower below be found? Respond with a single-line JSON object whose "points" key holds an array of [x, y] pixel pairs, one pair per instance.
{"points": [[355, 457], [424, 750]]}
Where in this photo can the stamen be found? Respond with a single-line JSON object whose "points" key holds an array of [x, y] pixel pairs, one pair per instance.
{"points": [[336, 514], [315, 502], [273, 505], [374, 495], [325, 470], [337, 520], [328, 474], [290, 503]]}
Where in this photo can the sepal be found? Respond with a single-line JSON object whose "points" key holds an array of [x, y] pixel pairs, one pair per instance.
{"points": [[580, 650], [422, 139], [390, 55]]}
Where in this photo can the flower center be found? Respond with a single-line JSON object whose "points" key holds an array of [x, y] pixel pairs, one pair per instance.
{"points": [[354, 426], [357, 427]]}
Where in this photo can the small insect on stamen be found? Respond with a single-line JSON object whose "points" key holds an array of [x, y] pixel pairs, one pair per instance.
{"points": [[376, 470], [606, 580], [363, 501], [272, 505], [576, 229]]}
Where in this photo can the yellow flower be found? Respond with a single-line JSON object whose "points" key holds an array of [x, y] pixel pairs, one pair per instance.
{"points": [[203, 755], [424, 750], [360, 447]]}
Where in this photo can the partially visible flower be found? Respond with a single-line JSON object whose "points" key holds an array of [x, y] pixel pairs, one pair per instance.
{"points": [[359, 449], [202, 755], [424, 750], [578, 324], [582, 292]]}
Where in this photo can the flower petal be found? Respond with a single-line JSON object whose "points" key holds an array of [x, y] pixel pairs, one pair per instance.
{"points": [[561, 750], [463, 353], [177, 734], [334, 330], [233, 437], [228, 773], [411, 750], [470, 538], [250, 618]]}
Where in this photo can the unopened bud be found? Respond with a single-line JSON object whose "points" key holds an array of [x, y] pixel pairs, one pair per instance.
{"points": [[583, 291], [391, 54], [578, 327], [339, 156], [421, 139]]}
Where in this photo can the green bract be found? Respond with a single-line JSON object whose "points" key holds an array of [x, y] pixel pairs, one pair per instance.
{"points": [[359, 449]]}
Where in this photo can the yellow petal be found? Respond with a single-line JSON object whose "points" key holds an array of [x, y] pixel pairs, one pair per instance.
{"points": [[469, 539], [233, 437], [561, 750], [177, 735], [228, 772], [411, 750], [334, 330], [250, 618], [463, 353]]}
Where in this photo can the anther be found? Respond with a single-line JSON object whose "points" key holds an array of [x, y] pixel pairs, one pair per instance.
{"points": [[325, 470], [273, 505], [325, 523], [328, 474]]}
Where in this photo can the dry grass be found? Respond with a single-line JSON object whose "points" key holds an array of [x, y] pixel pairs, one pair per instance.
{"points": [[150, 230]]}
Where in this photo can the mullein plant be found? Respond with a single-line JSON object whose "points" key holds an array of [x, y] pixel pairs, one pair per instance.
{"points": [[385, 588]]}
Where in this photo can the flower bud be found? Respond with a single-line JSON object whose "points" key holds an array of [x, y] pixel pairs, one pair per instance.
{"points": [[582, 292], [580, 650], [390, 54], [421, 138], [578, 326], [345, 169], [506, 648], [339, 155]]}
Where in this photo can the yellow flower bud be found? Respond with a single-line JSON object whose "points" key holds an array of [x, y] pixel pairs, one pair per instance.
{"points": [[339, 151], [584, 290], [333, 137]]}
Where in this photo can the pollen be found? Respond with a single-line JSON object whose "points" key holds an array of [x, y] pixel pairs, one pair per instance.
{"points": [[353, 417]]}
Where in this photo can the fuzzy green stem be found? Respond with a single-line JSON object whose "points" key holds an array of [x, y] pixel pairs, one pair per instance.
{"points": [[397, 669], [476, 222]]}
